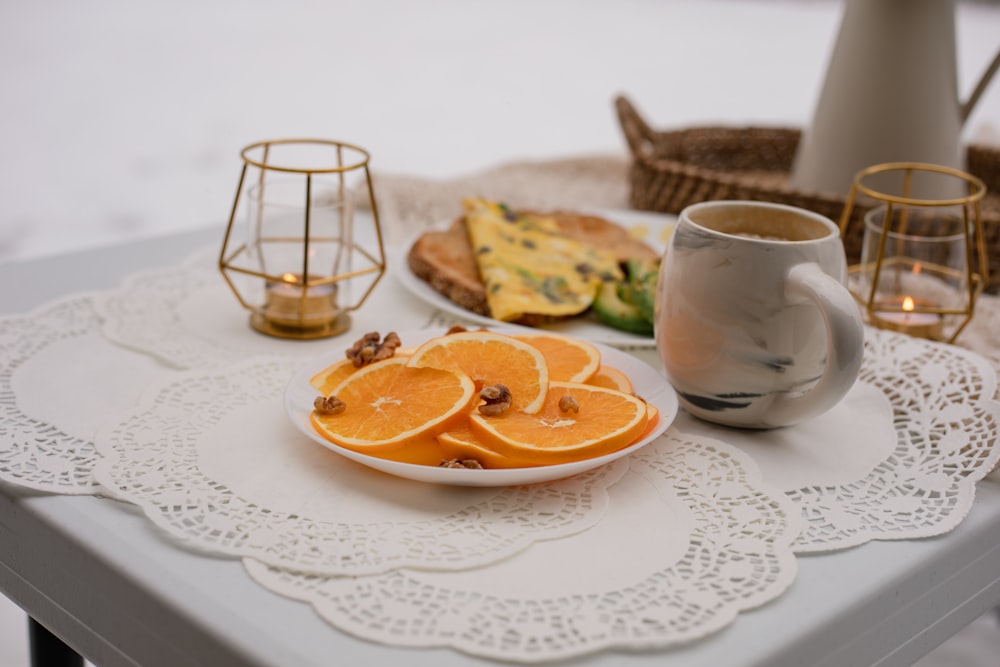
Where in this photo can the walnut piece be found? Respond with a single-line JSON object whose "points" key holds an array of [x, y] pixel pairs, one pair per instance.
{"points": [[329, 405], [372, 347], [497, 398], [567, 403], [471, 464], [455, 328]]}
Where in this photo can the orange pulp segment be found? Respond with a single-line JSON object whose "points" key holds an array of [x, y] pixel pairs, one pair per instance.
{"points": [[607, 420], [490, 358], [390, 404], [569, 359]]}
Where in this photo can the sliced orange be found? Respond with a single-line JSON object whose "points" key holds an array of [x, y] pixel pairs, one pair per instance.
{"points": [[327, 379], [390, 404], [610, 377], [490, 358], [607, 420], [461, 443], [424, 451], [652, 419], [569, 359]]}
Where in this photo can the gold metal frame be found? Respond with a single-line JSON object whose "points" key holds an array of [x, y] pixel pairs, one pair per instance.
{"points": [[228, 256], [973, 233]]}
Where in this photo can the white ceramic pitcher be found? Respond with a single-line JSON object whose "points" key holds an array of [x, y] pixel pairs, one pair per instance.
{"points": [[890, 95]]}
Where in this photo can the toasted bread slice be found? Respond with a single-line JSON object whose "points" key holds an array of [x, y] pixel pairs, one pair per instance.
{"points": [[445, 260]]}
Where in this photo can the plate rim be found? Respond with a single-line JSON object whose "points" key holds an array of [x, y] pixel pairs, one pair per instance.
{"points": [[659, 392]]}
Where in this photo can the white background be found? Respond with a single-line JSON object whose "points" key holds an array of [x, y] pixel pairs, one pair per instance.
{"points": [[124, 119]]}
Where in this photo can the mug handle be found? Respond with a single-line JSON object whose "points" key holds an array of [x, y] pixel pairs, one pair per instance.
{"points": [[845, 343]]}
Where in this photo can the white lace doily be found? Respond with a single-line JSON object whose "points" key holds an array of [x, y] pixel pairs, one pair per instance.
{"points": [[692, 539], [946, 425], [897, 459], [188, 317], [212, 458], [60, 380], [34, 453]]}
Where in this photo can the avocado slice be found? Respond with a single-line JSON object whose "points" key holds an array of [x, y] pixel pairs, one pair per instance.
{"points": [[640, 288], [615, 312]]}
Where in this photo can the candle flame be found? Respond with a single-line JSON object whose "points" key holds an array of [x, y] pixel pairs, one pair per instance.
{"points": [[908, 304], [294, 279]]}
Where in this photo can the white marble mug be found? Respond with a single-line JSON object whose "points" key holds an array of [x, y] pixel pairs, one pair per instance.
{"points": [[753, 321]]}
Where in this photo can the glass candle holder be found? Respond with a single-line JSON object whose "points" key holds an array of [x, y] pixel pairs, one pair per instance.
{"points": [[298, 264], [918, 267]]}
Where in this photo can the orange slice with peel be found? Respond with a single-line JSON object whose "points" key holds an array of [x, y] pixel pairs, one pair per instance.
{"points": [[390, 404], [424, 451], [652, 419], [461, 443], [327, 379], [611, 378], [490, 358], [569, 359], [607, 420]]}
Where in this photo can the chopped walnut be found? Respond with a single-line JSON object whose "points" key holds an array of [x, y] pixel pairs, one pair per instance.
{"points": [[567, 403], [329, 405], [497, 398], [471, 464], [372, 347], [455, 328]]}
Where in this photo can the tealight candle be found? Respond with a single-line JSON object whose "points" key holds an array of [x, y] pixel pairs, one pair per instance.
{"points": [[908, 320], [290, 303]]}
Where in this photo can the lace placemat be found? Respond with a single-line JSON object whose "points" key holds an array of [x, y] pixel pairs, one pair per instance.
{"points": [[187, 317], [59, 378], [692, 538], [212, 458], [898, 458]]}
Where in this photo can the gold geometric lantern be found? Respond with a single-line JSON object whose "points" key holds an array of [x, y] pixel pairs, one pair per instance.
{"points": [[302, 264], [923, 257]]}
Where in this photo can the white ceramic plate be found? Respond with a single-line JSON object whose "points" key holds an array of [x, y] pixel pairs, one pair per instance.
{"points": [[646, 381], [653, 228]]}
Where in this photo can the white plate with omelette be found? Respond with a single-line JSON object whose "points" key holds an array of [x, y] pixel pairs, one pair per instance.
{"points": [[652, 228]]}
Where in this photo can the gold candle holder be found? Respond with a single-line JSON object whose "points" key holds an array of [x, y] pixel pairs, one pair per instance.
{"points": [[300, 257], [917, 272]]}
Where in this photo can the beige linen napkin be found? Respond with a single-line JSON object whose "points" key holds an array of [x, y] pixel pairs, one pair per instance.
{"points": [[409, 204]]}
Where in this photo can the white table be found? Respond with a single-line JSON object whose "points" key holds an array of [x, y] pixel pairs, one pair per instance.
{"points": [[96, 572]]}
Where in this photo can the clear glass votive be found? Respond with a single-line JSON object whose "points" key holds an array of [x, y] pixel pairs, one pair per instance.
{"points": [[305, 295], [923, 258], [914, 270]]}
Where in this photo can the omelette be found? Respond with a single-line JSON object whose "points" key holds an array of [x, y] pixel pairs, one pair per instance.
{"points": [[530, 269]]}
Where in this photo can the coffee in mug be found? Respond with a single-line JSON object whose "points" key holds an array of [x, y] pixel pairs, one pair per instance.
{"points": [[754, 323]]}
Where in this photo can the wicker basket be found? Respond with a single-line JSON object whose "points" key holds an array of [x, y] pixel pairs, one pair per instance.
{"points": [[673, 169]]}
